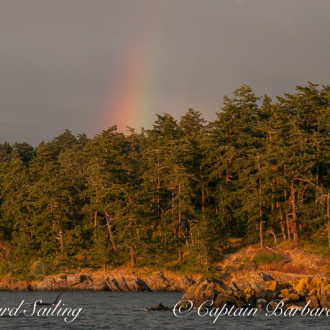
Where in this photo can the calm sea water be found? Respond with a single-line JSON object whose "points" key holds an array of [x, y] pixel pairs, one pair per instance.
{"points": [[125, 310]]}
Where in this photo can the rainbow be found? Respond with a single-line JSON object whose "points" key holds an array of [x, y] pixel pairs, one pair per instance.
{"points": [[133, 104]]}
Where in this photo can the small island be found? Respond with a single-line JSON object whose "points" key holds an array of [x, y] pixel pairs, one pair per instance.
{"points": [[234, 210]]}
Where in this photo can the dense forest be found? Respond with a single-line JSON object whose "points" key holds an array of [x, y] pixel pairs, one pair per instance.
{"points": [[171, 194]]}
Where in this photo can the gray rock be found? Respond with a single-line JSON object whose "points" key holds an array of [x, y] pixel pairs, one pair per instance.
{"points": [[143, 286], [325, 299], [73, 279], [100, 284], [112, 284]]}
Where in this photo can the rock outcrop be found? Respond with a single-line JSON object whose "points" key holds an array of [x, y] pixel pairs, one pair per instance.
{"points": [[111, 281], [293, 293]]}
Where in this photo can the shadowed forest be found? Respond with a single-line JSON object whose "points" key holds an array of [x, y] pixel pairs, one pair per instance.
{"points": [[174, 194]]}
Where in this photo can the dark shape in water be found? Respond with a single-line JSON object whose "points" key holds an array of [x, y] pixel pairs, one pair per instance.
{"points": [[50, 304], [159, 307]]}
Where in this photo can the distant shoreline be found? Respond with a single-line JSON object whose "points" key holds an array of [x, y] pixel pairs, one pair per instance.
{"points": [[115, 281], [119, 280]]}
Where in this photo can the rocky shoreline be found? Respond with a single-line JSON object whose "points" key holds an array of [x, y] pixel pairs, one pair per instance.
{"points": [[111, 281], [248, 290], [315, 290]]}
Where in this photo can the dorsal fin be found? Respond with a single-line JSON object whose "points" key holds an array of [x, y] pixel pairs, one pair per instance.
{"points": [[57, 299]]}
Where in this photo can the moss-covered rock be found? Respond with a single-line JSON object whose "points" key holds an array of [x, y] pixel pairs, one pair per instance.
{"points": [[271, 285], [250, 296], [216, 291], [198, 293], [317, 290], [294, 297], [284, 293]]}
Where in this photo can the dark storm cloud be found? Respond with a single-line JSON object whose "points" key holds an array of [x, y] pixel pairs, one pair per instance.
{"points": [[60, 60]]}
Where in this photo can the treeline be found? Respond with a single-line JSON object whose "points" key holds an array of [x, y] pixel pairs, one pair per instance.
{"points": [[173, 193]]}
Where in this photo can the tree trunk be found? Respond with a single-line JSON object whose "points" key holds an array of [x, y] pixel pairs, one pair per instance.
{"points": [[158, 191], [287, 219], [131, 247], [53, 227], [328, 217], [261, 234], [180, 253], [179, 223], [273, 194], [61, 240], [133, 260], [108, 217], [172, 212], [282, 223], [203, 199], [288, 227], [202, 187], [294, 214]]}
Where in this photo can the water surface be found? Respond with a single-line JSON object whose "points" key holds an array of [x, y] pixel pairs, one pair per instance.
{"points": [[125, 310]]}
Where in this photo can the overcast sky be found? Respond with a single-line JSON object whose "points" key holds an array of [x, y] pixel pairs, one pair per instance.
{"points": [[68, 63]]}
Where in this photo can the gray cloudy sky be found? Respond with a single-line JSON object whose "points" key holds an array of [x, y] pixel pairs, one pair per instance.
{"points": [[77, 64]]}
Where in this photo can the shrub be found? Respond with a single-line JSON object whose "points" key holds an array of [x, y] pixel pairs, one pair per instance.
{"points": [[265, 258], [38, 268]]}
